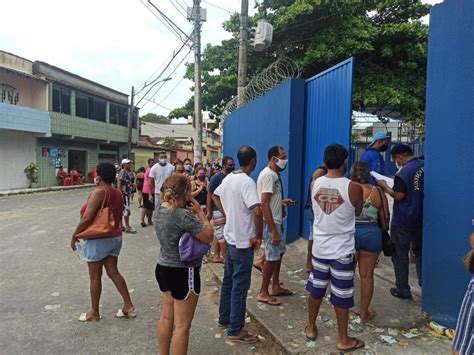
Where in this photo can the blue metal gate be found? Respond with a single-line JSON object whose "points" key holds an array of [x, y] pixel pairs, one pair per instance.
{"points": [[328, 112]]}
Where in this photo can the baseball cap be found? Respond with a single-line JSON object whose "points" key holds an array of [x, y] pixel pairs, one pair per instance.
{"points": [[126, 161], [379, 136]]}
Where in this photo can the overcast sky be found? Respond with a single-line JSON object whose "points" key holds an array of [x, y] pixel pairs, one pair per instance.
{"points": [[118, 43]]}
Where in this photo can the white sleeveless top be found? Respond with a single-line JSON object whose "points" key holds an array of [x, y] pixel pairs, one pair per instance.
{"points": [[334, 218]]}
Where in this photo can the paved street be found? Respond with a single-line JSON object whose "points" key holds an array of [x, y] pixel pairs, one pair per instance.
{"points": [[44, 287]]}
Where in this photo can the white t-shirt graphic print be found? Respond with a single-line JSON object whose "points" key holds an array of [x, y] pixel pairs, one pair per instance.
{"points": [[334, 218], [238, 195]]}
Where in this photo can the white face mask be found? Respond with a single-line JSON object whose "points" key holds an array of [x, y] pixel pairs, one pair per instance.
{"points": [[281, 163], [162, 161], [187, 167]]}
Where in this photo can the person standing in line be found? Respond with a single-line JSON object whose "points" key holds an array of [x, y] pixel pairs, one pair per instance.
{"points": [[139, 176], [463, 342], [336, 203], [237, 199], [125, 186], [158, 174], [179, 281], [407, 222], [103, 252], [148, 206], [199, 188], [368, 235], [188, 167], [179, 168], [317, 173], [373, 156], [213, 213], [270, 190]]}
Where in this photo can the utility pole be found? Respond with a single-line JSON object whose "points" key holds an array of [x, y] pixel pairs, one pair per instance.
{"points": [[197, 80], [131, 113], [242, 72]]}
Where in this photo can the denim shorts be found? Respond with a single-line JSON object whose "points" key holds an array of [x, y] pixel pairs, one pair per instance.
{"points": [[310, 215], [273, 252], [98, 249], [368, 237]]}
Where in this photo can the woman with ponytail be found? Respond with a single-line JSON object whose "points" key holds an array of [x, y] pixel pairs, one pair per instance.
{"points": [[179, 281]]}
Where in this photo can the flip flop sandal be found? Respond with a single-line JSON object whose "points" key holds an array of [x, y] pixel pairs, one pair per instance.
{"points": [[285, 292], [131, 314], [308, 338], [245, 338], [270, 301], [259, 268], [143, 224], [223, 326], [358, 345], [83, 318]]}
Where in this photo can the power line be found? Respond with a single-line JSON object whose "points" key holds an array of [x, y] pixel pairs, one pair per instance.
{"points": [[218, 7], [161, 65], [179, 10], [159, 19], [162, 72], [159, 88], [167, 95], [168, 19]]}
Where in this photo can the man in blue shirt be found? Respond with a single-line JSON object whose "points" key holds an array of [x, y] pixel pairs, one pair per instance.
{"points": [[407, 221], [372, 156], [218, 220]]}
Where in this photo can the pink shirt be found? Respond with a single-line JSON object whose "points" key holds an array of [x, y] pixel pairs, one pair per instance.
{"points": [[145, 189]]}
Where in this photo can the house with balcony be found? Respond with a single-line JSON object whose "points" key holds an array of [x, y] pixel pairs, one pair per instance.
{"points": [[87, 122], [24, 117]]}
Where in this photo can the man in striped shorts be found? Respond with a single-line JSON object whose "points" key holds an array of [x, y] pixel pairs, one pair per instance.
{"points": [[336, 202]]}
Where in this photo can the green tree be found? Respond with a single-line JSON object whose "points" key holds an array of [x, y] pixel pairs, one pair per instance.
{"points": [[154, 118], [169, 142], [386, 37]]}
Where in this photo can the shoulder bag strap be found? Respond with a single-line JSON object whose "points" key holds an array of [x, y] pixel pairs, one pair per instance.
{"points": [[382, 209]]}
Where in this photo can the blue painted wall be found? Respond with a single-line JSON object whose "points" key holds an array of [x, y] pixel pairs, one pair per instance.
{"points": [[22, 118], [273, 119], [449, 154], [327, 121]]}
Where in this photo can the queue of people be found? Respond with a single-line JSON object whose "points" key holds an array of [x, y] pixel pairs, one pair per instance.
{"points": [[237, 215]]}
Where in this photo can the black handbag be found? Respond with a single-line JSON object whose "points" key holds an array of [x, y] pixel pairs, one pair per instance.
{"points": [[387, 244]]}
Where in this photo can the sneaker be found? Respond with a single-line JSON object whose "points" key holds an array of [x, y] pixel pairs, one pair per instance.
{"points": [[130, 230]]}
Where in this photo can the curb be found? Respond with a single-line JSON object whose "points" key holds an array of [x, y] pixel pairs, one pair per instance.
{"points": [[43, 189], [257, 319]]}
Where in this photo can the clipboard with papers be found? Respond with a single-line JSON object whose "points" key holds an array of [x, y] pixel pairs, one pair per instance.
{"points": [[378, 176]]}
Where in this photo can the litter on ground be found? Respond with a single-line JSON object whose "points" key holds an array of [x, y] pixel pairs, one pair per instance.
{"points": [[388, 340]]}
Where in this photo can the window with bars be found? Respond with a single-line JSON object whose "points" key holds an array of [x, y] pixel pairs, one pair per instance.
{"points": [[9, 94]]}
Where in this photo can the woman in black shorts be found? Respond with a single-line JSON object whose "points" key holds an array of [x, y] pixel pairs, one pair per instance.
{"points": [[179, 281]]}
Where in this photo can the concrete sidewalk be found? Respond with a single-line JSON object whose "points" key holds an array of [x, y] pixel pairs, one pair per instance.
{"points": [[42, 189], [395, 318]]}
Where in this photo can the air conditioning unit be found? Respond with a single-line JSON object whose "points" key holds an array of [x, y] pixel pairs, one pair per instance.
{"points": [[263, 36]]}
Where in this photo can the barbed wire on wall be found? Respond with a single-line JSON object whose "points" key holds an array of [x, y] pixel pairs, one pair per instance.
{"points": [[270, 77]]}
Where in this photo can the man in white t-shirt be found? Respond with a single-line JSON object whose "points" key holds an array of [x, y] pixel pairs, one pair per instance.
{"points": [[270, 190], [158, 174], [336, 203], [237, 198]]}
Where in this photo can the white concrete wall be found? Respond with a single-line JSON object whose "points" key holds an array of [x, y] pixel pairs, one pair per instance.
{"points": [[17, 150]]}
